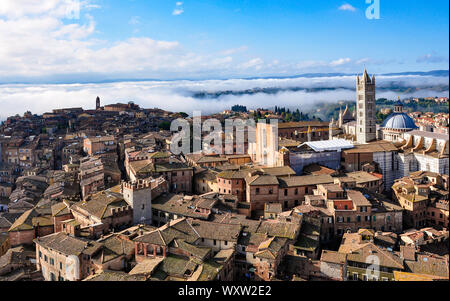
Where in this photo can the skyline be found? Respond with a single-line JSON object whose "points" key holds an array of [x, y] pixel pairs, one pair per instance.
{"points": [[251, 146], [180, 95], [169, 40]]}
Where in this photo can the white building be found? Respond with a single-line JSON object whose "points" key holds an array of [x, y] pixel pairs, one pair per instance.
{"points": [[424, 151]]}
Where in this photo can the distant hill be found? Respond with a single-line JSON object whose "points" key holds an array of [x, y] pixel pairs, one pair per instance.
{"points": [[440, 73], [86, 79]]}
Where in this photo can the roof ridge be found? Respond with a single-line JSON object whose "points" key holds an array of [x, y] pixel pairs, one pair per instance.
{"points": [[162, 238]]}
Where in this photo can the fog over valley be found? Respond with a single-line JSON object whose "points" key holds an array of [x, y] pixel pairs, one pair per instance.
{"points": [[211, 96]]}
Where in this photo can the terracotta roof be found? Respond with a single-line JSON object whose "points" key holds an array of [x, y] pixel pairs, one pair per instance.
{"points": [[67, 244], [101, 203], [262, 180], [429, 265], [305, 180], [114, 276], [146, 267], [30, 219], [333, 257], [387, 259]]}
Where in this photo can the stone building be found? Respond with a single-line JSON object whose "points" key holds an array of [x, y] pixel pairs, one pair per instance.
{"points": [[423, 151], [103, 212], [382, 154], [423, 197], [139, 196], [61, 257], [366, 109], [97, 145], [351, 210], [31, 224]]}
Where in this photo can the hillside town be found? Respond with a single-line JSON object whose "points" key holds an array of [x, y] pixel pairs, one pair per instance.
{"points": [[98, 195]]}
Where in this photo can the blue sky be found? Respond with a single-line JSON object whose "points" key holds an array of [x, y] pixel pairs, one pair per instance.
{"points": [[221, 38], [286, 29]]}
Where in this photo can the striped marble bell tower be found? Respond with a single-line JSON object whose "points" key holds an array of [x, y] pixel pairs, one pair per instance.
{"points": [[365, 109]]}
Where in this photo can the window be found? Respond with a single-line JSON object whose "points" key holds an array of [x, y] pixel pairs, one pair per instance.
{"points": [[215, 242], [285, 192], [45, 258], [270, 191], [358, 218], [257, 190], [348, 219], [374, 218]]}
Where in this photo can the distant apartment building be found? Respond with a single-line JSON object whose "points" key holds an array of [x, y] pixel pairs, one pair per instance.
{"points": [[97, 145], [61, 257], [351, 210], [178, 175], [304, 131], [424, 198], [103, 212], [28, 226]]}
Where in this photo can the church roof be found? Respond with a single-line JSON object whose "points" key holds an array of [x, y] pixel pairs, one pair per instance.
{"points": [[399, 121]]}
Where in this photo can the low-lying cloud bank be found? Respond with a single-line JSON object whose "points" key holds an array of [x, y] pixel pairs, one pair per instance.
{"points": [[181, 95]]}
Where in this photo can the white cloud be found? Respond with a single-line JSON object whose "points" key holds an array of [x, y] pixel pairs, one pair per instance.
{"points": [[431, 58], [340, 62], [256, 63], [178, 95], [234, 50], [347, 7], [39, 44], [36, 41], [177, 11], [135, 20]]}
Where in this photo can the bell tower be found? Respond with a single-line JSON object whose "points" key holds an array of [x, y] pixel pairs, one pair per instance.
{"points": [[97, 103], [365, 109]]}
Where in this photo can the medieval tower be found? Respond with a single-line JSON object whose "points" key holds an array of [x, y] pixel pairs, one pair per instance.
{"points": [[139, 196], [97, 103], [365, 109]]}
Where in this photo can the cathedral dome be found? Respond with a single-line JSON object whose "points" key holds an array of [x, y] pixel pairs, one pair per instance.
{"points": [[399, 121]]}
